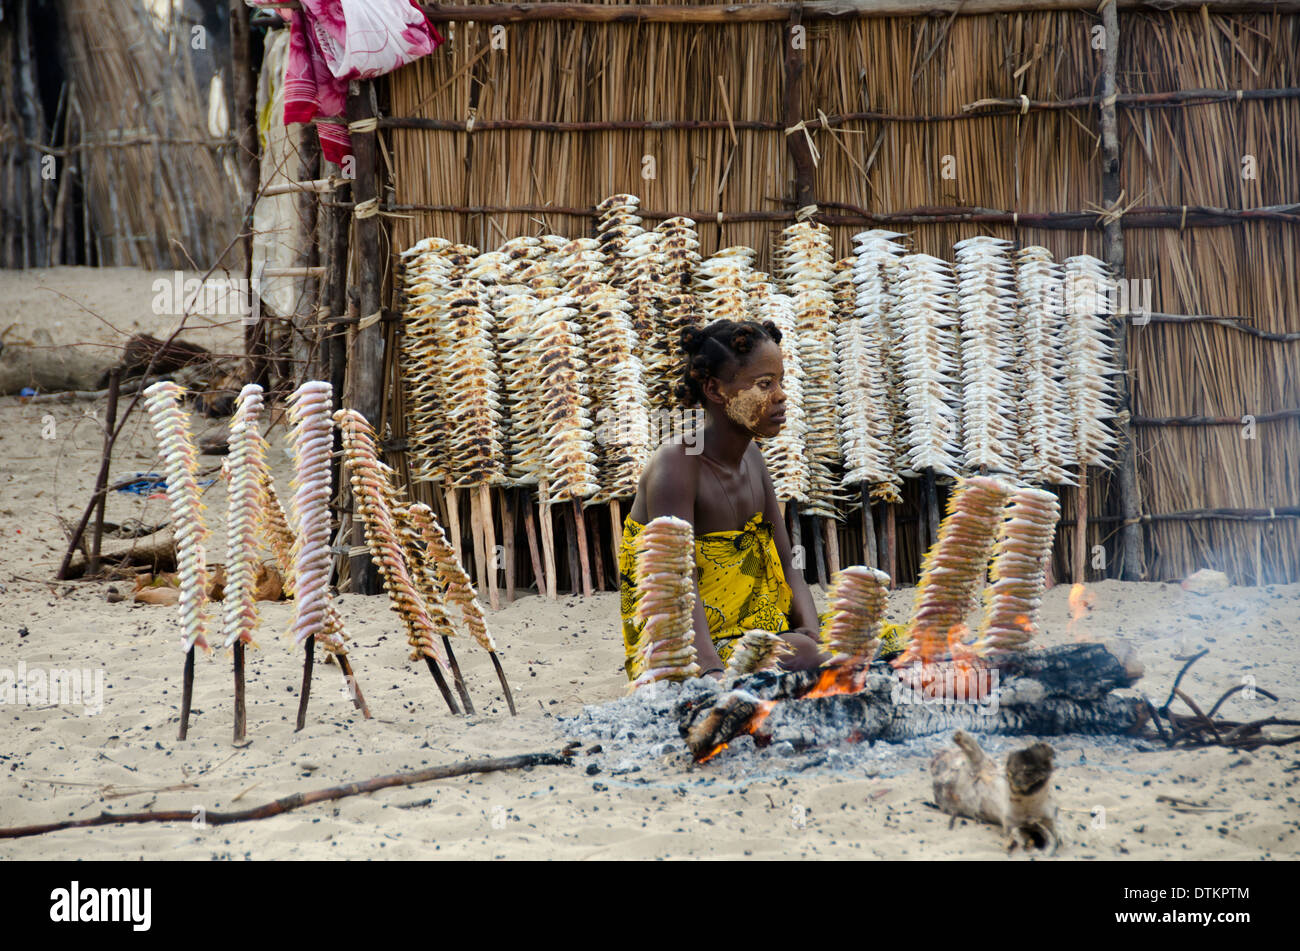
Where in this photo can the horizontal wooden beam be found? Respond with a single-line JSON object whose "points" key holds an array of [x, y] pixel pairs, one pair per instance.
{"points": [[1203, 515], [1233, 323], [816, 10], [1161, 421], [1164, 216]]}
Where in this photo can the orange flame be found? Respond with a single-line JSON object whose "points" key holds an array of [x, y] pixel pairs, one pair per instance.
{"points": [[1081, 602]]}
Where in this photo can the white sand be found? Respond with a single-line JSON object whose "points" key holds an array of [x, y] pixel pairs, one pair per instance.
{"points": [[58, 763]]}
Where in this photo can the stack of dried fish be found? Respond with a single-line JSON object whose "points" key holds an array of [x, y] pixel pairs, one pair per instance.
{"points": [[665, 566], [851, 631], [954, 567], [522, 410], [721, 283], [1046, 447], [868, 396], [757, 651], [925, 322], [171, 427], [567, 426], [785, 453], [679, 250], [807, 268], [243, 466], [472, 415], [1024, 545], [312, 438], [1090, 368], [986, 302], [616, 225]]}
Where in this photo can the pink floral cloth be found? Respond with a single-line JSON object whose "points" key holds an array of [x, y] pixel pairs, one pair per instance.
{"points": [[333, 41]]}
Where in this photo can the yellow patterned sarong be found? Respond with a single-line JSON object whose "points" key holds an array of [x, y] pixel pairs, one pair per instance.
{"points": [[742, 585]]}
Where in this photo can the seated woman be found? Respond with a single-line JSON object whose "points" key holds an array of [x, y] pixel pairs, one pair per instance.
{"points": [[744, 578]]}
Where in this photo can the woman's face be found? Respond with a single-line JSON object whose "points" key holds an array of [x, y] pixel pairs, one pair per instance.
{"points": [[753, 398]]}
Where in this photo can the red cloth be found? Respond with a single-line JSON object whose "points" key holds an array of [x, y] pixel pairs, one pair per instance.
{"points": [[334, 41]]}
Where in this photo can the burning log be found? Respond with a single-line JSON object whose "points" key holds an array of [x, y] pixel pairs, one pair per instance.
{"points": [[1018, 798], [1058, 690]]}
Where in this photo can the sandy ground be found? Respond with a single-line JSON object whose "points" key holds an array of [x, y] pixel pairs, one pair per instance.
{"points": [[57, 762]]}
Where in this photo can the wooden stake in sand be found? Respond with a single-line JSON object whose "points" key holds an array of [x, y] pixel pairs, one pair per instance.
{"points": [[487, 531], [172, 429], [548, 536], [579, 527], [891, 545], [242, 469], [534, 554], [458, 589], [508, 541], [869, 552], [1081, 525]]}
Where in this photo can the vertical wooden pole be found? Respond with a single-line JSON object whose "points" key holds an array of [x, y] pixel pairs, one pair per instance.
{"points": [[796, 142], [304, 695], [579, 529], [101, 480], [1132, 564], [453, 521], [508, 540], [479, 536], [832, 546], [337, 229], [931, 510], [594, 546], [868, 531], [488, 527], [244, 116], [1081, 525], [366, 356], [819, 553], [616, 537], [891, 543], [187, 692], [534, 554], [304, 342], [548, 537], [241, 713]]}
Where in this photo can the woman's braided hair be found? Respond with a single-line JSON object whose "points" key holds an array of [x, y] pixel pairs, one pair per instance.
{"points": [[708, 349]]}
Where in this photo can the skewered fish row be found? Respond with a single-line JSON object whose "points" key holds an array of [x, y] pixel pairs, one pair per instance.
{"points": [[474, 451], [312, 439], [429, 266], [869, 395], [986, 302], [721, 282], [1044, 413], [244, 494], [644, 280], [861, 422], [616, 225], [451, 575], [678, 308], [806, 264], [373, 495], [665, 583], [785, 453], [171, 428], [851, 631], [925, 321], [618, 393], [516, 316], [570, 456], [1090, 369], [1024, 545], [955, 566], [757, 651], [422, 568]]}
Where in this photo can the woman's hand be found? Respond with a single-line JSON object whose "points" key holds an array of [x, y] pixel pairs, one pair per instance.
{"points": [[806, 650]]}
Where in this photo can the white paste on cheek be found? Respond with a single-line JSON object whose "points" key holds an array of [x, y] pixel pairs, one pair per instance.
{"points": [[748, 407]]}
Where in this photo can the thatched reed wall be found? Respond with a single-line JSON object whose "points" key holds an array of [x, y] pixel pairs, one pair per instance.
{"points": [[1039, 161], [137, 178]]}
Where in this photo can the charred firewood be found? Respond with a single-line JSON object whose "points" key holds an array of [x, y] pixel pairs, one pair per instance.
{"points": [[1018, 798]]}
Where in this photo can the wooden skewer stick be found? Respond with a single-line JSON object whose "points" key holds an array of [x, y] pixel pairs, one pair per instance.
{"points": [[832, 546], [530, 529], [616, 535], [931, 507], [187, 692], [508, 540], [453, 521], [436, 670], [461, 689], [597, 555], [1081, 525], [304, 695], [548, 537], [479, 535], [488, 528], [354, 688], [796, 539], [505, 687], [571, 550], [580, 530], [241, 712], [891, 545], [819, 555], [869, 551]]}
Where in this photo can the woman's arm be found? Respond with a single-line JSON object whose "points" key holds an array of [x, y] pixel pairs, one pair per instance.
{"points": [[804, 637], [671, 484]]}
